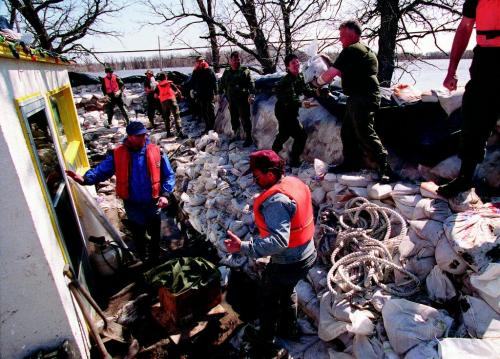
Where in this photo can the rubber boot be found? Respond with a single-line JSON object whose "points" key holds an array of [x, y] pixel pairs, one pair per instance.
{"points": [[460, 184], [386, 174]]}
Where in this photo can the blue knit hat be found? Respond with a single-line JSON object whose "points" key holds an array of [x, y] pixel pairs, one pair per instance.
{"points": [[135, 128]]}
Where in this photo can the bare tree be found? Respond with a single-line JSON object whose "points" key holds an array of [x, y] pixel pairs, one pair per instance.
{"points": [[182, 15], [394, 22], [261, 28], [59, 25]]}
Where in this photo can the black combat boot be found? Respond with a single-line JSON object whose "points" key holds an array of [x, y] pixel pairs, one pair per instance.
{"points": [[460, 184]]}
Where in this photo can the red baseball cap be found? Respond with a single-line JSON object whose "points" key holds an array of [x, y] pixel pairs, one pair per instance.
{"points": [[264, 160]]}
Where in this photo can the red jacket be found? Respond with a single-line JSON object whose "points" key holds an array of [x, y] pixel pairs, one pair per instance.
{"points": [[166, 92], [122, 165], [488, 23], [302, 224], [111, 85]]}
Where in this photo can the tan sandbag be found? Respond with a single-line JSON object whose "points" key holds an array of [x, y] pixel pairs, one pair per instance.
{"points": [[413, 245], [487, 285], [424, 350], [408, 324], [429, 190], [379, 191]]}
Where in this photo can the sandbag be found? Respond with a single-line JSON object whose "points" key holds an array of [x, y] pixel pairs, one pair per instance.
{"points": [[479, 318], [487, 285], [475, 236], [455, 348], [439, 286], [424, 350], [429, 190], [408, 324], [354, 180], [307, 300], [413, 245], [405, 189], [406, 203], [450, 101], [365, 347], [317, 277], [379, 191], [435, 209], [428, 230], [465, 201], [447, 259], [329, 327]]}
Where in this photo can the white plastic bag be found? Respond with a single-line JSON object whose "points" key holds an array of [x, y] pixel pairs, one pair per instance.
{"points": [[479, 318], [458, 348]]}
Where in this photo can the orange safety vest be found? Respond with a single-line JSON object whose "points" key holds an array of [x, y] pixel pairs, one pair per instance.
{"points": [[166, 91], [111, 85], [302, 226], [122, 166], [488, 23]]}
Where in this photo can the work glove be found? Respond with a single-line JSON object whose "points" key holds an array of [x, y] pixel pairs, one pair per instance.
{"points": [[251, 99], [192, 94]]}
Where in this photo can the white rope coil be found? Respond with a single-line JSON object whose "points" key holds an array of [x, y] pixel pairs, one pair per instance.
{"points": [[362, 260]]}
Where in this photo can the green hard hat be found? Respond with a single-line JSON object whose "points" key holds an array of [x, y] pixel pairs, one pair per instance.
{"points": [[108, 69]]}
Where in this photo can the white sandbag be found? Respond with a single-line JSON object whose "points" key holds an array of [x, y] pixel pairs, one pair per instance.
{"points": [[465, 201], [434, 209], [338, 355], [405, 189], [479, 318], [429, 190], [439, 286], [428, 230], [413, 245], [447, 168], [424, 350], [447, 259], [420, 266], [458, 348], [406, 203], [408, 324], [329, 327], [473, 235], [327, 184], [354, 180], [365, 347], [379, 191], [450, 101], [487, 285], [360, 324], [307, 300]]}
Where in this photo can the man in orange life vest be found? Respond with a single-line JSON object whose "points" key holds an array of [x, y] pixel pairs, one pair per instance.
{"points": [[112, 87], [284, 217], [166, 92], [144, 180], [480, 103]]}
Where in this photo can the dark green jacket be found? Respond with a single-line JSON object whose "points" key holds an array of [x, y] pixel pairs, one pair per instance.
{"points": [[289, 88], [236, 84]]}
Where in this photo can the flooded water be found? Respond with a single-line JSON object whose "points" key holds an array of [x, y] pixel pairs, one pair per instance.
{"points": [[424, 75]]}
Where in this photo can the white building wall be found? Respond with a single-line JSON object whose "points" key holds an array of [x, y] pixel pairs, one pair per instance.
{"points": [[36, 307]]}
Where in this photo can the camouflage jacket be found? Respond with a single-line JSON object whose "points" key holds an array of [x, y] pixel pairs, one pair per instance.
{"points": [[290, 87], [236, 84]]}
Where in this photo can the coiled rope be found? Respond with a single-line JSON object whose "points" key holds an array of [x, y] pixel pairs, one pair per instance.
{"points": [[362, 260]]}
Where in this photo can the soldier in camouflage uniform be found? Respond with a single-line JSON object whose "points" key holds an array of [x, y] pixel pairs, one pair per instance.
{"points": [[237, 84], [288, 90]]}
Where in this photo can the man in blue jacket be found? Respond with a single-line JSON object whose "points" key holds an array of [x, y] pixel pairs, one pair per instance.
{"points": [[144, 180]]}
